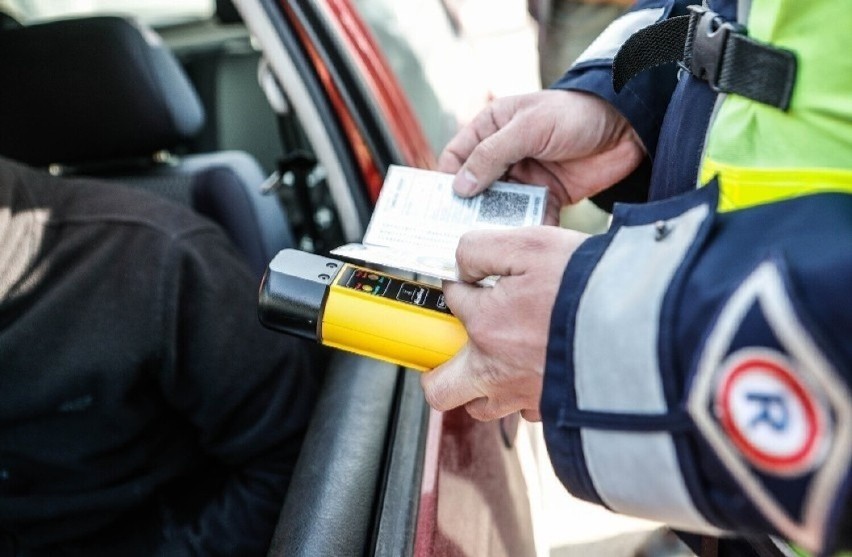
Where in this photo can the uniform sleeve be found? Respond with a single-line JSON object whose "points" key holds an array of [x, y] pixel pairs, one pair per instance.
{"points": [[643, 100], [699, 365], [247, 391]]}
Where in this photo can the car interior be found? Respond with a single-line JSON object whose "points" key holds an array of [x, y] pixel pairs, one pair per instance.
{"points": [[105, 97], [140, 104]]}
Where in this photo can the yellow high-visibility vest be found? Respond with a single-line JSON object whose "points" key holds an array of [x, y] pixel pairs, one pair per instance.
{"points": [[762, 154]]}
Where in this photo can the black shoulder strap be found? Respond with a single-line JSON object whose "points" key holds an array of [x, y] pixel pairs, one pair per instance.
{"points": [[655, 45], [714, 50]]}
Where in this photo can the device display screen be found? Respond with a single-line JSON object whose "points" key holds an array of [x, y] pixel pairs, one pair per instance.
{"points": [[378, 284]]}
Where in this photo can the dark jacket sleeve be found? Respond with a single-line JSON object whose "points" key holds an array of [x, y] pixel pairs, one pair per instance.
{"points": [[643, 101], [247, 391], [713, 391]]}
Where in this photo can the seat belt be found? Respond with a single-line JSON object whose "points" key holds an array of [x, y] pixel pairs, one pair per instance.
{"points": [[717, 51]]}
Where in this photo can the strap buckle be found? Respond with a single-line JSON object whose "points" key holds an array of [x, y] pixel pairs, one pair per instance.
{"points": [[705, 43]]}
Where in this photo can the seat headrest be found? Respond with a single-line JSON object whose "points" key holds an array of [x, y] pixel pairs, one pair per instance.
{"points": [[89, 90]]}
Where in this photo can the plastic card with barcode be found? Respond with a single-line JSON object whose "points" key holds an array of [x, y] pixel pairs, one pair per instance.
{"points": [[418, 220]]}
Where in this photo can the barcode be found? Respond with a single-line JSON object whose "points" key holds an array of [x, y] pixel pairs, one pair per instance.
{"points": [[503, 207]]}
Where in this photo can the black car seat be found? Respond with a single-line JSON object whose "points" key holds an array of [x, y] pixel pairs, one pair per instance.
{"points": [[103, 97]]}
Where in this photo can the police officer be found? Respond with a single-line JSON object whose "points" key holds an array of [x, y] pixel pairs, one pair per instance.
{"points": [[692, 364]]}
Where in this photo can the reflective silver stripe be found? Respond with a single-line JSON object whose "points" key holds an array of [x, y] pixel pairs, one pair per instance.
{"points": [[608, 42], [637, 474], [615, 343], [617, 370]]}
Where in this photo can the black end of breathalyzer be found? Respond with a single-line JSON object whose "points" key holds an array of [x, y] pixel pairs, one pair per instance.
{"points": [[293, 292]]}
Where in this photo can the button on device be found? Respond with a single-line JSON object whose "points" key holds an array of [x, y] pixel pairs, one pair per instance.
{"points": [[412, 293]]}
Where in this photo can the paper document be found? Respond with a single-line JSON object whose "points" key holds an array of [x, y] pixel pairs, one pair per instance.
{"points": [[418, 220]]}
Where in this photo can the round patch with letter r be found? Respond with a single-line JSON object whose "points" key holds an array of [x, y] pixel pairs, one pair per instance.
{"points": [[769, 414]]}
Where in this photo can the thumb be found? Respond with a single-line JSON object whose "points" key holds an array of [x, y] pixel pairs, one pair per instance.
{"points": [[490, 160], [482, 253], [449, 385]]}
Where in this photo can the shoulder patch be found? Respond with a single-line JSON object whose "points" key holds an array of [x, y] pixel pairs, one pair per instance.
{"points": [[770, 402], [771, 417]]}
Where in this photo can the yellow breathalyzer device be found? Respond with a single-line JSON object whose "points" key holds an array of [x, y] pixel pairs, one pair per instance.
{"points": [[359, 310]]}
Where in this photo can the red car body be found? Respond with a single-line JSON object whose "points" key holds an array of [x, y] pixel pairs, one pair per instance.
{"points": [[472, 498]]}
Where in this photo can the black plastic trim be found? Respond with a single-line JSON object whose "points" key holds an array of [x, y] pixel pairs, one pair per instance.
{"points": [[400, 498], [331, 501]]}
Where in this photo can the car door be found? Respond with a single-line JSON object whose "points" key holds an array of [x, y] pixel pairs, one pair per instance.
{"points": [[380, 474]]}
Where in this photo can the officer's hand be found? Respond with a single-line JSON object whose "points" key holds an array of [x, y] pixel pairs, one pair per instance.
{"points": [[574, 143], [501, 368]]}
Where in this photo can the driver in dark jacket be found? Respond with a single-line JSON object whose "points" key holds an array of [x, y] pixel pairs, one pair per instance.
{"points": [[144, 409]]}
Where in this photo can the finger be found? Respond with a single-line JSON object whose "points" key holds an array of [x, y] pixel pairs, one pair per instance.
{"points": [[483, 253], [485, 149], [490, 159], [531, 414], [464, 301], [485, 410], [449, 385], [459, 148]]}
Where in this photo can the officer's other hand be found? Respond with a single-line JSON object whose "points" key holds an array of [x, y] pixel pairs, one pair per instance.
{"points": [[574, 143], [501, 368]]}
